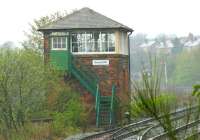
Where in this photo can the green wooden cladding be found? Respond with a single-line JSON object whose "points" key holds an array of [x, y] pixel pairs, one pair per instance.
{"points": [[59, 59]]}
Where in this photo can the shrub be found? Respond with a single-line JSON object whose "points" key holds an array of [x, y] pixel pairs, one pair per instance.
{"points": [[164, 98], [196, 91], [71, 119]]}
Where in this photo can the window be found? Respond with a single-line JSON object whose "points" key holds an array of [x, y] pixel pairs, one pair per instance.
{"points": [[59, 43], [93, 42]]}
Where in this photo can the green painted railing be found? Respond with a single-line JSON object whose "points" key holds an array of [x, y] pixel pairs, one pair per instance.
{"points": [[101, 103], [112, 105], [85, 75], [97, 106]]}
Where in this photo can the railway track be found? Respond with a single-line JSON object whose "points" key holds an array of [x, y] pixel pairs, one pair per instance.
{"points": [[150, 128], [105, 135]]}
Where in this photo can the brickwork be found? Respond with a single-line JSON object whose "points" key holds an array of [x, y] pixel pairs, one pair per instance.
{"points": [[115, 73], [46, 49]]}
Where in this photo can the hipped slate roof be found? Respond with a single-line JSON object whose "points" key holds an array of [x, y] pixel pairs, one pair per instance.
{"points": [[85, 18]]}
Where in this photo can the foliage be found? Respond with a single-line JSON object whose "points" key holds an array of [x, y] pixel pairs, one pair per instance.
{"points": [[72, 118], [140, 38], [29, 89], [30, 132], [163, 98], [187, 68], [196, 91], [59, 94], [22, 86], [34, 37]]}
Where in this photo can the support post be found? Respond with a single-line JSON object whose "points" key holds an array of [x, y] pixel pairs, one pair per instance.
{"points": [[112, 104], [97, 106]]}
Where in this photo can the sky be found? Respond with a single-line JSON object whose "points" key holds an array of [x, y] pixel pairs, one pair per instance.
{"points": [[152, 17]]}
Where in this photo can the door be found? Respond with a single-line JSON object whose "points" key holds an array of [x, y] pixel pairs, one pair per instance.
{"points": [[59, 53]]}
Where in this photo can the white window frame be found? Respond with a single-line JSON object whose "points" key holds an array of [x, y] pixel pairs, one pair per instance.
{"points": [[85, 53], [52, 48]]}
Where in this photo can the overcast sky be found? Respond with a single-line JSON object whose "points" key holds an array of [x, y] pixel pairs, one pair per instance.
{"points": [[149, 16]]}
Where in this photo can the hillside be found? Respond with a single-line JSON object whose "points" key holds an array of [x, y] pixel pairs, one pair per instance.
{"points": [[179, 54]]}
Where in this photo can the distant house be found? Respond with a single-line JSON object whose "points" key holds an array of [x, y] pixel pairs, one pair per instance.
{"points": [[95, 50]]}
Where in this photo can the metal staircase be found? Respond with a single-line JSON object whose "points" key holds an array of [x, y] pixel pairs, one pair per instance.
{"points": [[105, 106]]}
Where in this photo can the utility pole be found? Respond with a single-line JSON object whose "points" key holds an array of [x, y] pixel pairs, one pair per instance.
{"points": [[166, 79]]}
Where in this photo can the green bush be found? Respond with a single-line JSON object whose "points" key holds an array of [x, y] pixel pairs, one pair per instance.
{"points": [[196, 90], [164, 98], [71, 120]]}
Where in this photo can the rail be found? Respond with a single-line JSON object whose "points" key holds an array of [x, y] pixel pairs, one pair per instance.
{"points": [[176, 118], [189, 125], [124, 131], [101, 134]]}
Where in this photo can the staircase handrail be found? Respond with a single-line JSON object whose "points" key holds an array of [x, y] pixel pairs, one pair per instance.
{"points": [[97, 105], [87, 70], [89, 78], [113, 100]]}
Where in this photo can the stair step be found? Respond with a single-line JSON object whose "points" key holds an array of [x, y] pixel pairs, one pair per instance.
{"points": [[105, 109], [105, 106], [105, 117], [105, 113], [105, 121], [105, 99], [105, 102]]}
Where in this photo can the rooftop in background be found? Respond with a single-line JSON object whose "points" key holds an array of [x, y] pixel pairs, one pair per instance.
{"points": [[85, 18]]}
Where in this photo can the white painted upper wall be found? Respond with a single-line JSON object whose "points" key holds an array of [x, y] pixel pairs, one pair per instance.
{"points": [[121, 42]]}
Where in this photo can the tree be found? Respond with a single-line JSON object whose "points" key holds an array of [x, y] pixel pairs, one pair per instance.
{"points": [[139, 39], [196, 90], [8, 44], [23, 86], [34, 37], [177, 46], [187, 68]]}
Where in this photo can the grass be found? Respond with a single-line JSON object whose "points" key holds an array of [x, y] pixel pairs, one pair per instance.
{"points": [[29, 132], [41, 131]]}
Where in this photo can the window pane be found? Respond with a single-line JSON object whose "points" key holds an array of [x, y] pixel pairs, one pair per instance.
{"points": [[81, 47], [89, 42], [63, 42], [104, 46], [74, 47], [111, 46], [54, 42], [81, 42], [80, 37], [111, 37], [104, 37], [74, 38], [111, 42], [74, 43], [97, 41], [59, 42]]}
